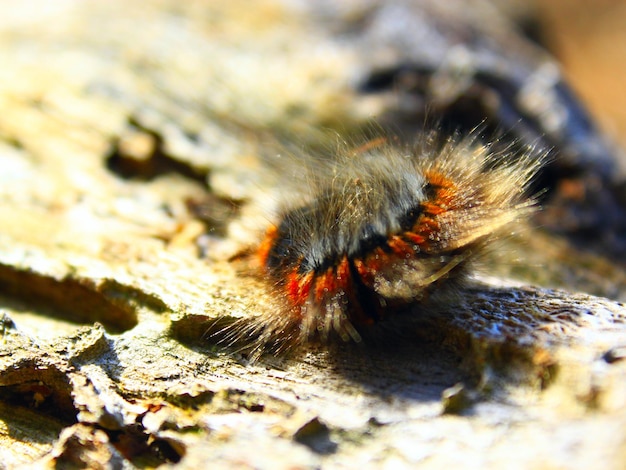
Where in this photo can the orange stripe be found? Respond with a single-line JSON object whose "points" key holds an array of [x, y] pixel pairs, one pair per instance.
{"points": [[343, 272], [433, 208], [400, 246], [415, 238], [298, 287], [439, 179], [266, 245], [324, 283]]}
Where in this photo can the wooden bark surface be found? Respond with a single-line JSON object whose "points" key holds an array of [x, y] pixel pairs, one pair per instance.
{"points": [[115, 115]]}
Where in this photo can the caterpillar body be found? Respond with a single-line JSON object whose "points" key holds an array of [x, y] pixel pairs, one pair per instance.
{"points": [[385, 229]]}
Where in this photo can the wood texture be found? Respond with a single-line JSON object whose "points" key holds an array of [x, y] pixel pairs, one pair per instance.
{"points": [[119, 120]]}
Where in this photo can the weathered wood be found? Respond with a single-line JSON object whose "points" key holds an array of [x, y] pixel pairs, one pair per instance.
{"points": [[119, 120]]}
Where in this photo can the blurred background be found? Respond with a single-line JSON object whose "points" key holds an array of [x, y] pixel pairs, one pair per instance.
{"points": [[589, 41]]}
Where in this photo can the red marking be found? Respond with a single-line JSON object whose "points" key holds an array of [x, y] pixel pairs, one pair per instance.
{"points": [[334, 279], [343, 272], [423, 231], [439, 179], [445, 193], [425, 226], [433, 208], [372, 263], [266, 245], [324, 284], [446, 198], [298, 287], [415, 238], [376, 259], [365, 273], [400, 247], [355, 309]]}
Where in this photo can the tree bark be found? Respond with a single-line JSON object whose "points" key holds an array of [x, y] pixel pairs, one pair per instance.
{"points": [[132, 138]]}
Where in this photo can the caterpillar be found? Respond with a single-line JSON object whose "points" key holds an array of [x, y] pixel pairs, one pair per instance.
{"points": [[385, 229]]}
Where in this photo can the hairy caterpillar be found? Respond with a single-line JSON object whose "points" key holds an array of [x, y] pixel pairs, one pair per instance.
{"points": [[385, 228]]}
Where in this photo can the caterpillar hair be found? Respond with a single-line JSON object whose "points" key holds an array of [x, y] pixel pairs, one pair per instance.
{"points": [[384, 228]]}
